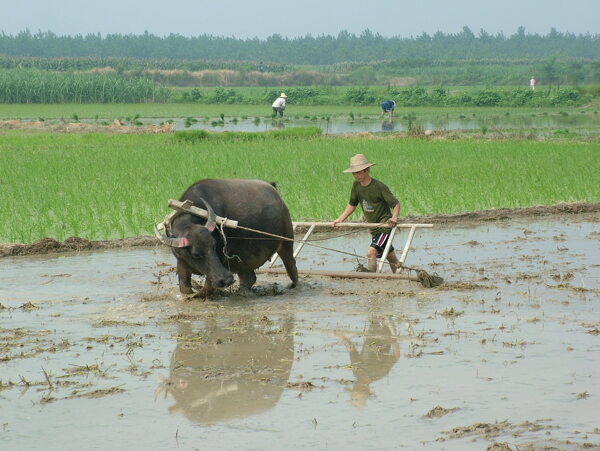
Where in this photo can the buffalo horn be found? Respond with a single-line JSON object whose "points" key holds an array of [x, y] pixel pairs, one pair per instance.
{"points": [[211, 221], [169, 241]]}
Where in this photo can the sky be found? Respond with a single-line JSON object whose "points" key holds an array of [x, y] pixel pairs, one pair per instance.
{"points": [[292, 18]]}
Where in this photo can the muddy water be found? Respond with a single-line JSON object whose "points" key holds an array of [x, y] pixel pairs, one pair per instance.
{"points": [[584, 123], [98, 351]]}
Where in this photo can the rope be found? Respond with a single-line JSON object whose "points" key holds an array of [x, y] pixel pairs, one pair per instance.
{"points": [[229, 257], [307, 242]]}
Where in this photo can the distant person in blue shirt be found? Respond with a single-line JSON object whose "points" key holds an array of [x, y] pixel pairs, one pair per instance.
{"points": [[388, 106], [260, 67]]}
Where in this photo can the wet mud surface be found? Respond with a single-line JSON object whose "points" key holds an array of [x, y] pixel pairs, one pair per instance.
{"points": [[98, 350]]}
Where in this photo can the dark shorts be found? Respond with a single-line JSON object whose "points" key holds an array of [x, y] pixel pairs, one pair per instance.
{"points": [[279, 110], [379, 242]]}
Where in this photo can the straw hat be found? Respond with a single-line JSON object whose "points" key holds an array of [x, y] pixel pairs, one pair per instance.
{"points": [[358, 162], [283, 95]]}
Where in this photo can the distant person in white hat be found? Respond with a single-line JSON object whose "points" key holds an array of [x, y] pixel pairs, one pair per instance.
{"points": [[279, 104], [379, 206]]}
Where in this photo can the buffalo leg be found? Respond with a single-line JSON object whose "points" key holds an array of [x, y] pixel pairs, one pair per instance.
{"points": [[286, 253], [185, 278], [247, 279]]}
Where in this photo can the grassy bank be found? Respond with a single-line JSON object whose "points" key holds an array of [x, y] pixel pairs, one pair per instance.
{"points": [[109, 186]]}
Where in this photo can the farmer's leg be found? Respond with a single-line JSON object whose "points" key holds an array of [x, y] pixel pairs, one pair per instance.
{"points": [[375, 249], [372, 256], [394, 262]]}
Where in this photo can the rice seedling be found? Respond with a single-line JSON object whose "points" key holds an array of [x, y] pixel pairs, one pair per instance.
{"points": [[121, 183], [189, 121]]}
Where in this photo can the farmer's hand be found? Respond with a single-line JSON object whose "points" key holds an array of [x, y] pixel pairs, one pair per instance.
{"points": [[392, 222]]}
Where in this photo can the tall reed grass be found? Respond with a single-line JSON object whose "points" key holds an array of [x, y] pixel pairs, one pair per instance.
{"points": [[36, 86], [111, 186]]}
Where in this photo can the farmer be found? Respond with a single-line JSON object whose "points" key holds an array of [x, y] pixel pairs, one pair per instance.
{"points": [[379, 206], [388, 106], [532, 83], [279, 104]]}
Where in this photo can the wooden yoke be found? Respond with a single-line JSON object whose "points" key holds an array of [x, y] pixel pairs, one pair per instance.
{"points": [[188, 207]]}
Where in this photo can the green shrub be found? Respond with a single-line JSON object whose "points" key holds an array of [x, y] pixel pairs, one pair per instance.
{"points": [[360, 96]]}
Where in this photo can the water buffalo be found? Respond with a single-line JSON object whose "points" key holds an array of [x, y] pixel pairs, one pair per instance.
{"points": [[202, 248]]}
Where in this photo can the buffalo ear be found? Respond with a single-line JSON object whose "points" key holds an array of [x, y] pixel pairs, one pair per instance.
{"points": [[170, 241], [182, 242], [211, 221]]}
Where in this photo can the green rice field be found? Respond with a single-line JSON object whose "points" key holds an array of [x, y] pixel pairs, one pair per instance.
{"points": [[100, 186]]}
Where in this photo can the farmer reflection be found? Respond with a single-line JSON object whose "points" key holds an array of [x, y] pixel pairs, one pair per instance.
{"points": [[379, 353], [278, 124], [387, 125], [232, 370]]}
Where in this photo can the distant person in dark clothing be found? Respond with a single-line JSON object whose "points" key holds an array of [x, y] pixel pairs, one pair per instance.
{"points": [[388, 106], [260, 67]]}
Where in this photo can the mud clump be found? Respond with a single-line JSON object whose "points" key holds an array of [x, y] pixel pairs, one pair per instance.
{"points": [[499, 447], [490, 431], [72, 244], [439, 411]]}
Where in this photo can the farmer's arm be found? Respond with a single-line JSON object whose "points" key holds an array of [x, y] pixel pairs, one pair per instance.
{"points": [[347, 212], [395, 212]]}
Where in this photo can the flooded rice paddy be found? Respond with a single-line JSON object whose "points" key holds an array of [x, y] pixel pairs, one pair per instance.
{"points": [[99, 351], [581, 123]]}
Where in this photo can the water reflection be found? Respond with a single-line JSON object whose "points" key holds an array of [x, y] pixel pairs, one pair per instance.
{"points": [[440, 121], [225, 371], [387, 125], [379, 352], [278, 124]]}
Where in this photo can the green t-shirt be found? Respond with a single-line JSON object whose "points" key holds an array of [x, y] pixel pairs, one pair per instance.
{"points": [[376, 201]]}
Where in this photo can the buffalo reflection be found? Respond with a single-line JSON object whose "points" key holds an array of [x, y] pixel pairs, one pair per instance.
{"points": [[379, 353], [230, 370]]}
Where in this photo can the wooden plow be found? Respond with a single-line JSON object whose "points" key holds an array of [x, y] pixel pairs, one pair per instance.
{"points": [[421, 275]]}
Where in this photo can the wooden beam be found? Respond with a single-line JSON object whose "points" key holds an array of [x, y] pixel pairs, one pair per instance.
{"points": [[358, 225], [187, 207], [342, 274]]}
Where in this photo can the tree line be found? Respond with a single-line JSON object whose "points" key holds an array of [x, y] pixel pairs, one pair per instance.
{"points": [[308, 50]]}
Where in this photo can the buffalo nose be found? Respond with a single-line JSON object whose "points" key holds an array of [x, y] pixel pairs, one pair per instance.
{"points": [[225, 281]]}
